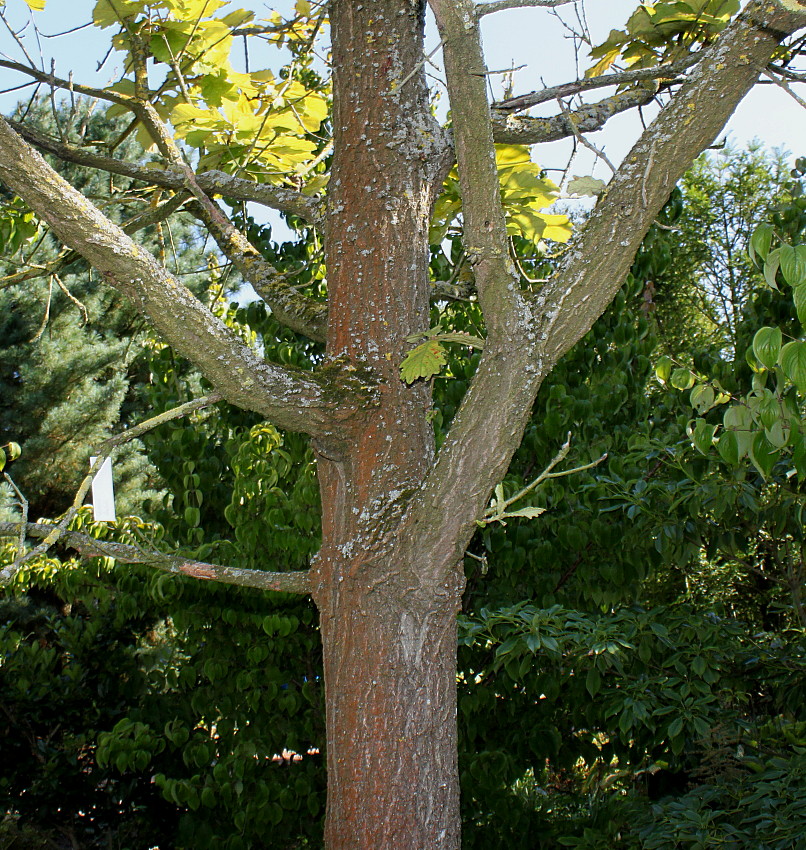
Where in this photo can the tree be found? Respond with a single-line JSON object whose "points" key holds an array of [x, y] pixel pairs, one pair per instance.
{"points": [[397, 515]]}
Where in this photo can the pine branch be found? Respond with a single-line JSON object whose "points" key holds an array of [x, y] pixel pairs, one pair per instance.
{"points": [[130, 227]]}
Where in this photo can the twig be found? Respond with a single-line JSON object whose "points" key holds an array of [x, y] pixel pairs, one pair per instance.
{"points": [[24, 506], [417, 67], [785, 86], [547, 473], [600, 154], [72, 297], [483, 9], [659, 72]]}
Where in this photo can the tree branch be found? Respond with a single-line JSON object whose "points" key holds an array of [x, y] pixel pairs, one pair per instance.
{"points": [[103, 452], [667, 73], [292, 308], [500, 5], [68, 85], [212, 182], [600, 256], [525, 130], [67, 258], [291, 398], [90, 547]]}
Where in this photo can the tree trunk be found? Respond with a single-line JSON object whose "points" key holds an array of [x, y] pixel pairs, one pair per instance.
{"points": [[387, 619], [390, 680]]}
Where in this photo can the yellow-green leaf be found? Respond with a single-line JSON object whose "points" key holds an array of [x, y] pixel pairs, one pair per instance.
{"points": [[424, 361]]}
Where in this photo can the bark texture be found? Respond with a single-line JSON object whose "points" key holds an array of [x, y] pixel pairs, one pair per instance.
{"points": [[388, 629]]}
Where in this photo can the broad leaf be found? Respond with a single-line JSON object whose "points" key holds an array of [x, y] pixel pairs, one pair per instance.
{"points": [[682, 379], [793, 264], [424, 361], [663, 368], [703, 436], [764, 455], [760, 242], [799, 294], [702, 398], [793, 363], [767, 346], [587, 186]]}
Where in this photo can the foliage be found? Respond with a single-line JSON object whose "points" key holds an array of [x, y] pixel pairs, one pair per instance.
{"points": [[525, 191], [663, 32], [251, 124]]}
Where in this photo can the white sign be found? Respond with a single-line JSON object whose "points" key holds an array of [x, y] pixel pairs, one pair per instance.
{"points": [[103, 493]]}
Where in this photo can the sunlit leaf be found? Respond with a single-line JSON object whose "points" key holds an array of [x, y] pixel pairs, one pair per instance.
{"points": [[424, 361], [793, 264], [702, 398], [682, 379], [663, 368], [586, 186], [793, 363], [767, 346]]}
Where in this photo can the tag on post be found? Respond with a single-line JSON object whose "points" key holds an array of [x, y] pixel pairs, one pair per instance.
{"points": [[103, 493]]}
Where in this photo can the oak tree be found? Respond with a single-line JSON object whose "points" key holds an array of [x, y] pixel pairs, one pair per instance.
{"points": [[397, 515]]}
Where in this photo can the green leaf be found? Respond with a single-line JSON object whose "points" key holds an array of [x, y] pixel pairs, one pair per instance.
{"points": [[530, 513], [728, 447], [760, 242], [593, 681], [587, 186], [110, 12], [682, 379], [739, 421], [793, 363], [424, 361], [702, 398], [767, 346], [771, 265], [763, 455], [192, 516], [663, 368], [675, 727], [793, 264], [703, 436], [799, 293]]}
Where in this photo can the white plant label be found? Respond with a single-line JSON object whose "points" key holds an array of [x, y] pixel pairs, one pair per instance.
{"points": [[103, 492]]}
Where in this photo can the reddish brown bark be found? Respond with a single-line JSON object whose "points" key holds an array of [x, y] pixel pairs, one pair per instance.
{"points": [[388, 631]]}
